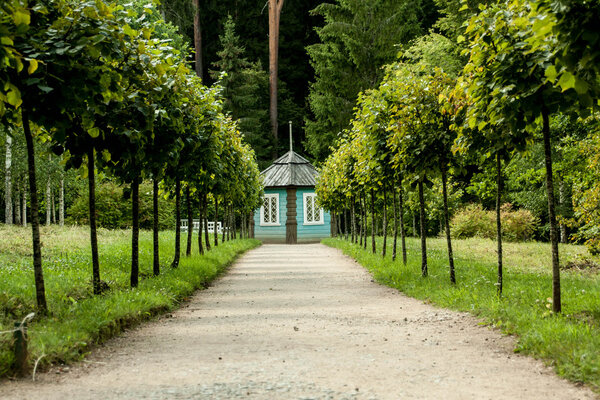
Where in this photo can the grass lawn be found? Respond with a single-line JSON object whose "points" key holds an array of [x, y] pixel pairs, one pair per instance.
{"points": [[570, 341], [78, 319]]}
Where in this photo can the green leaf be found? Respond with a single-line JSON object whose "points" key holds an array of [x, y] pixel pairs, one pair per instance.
{"points": [[551, 73], [14, 98], [33, 66], [566, 81], [21, 17], [94, 132]]}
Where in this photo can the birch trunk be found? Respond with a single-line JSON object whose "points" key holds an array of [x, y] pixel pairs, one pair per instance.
{"points": [[61, 201], [17, 209], [48, 204]]}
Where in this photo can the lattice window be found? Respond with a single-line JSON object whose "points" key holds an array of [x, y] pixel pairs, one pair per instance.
{"points": [[313, 214], [269, 212]]}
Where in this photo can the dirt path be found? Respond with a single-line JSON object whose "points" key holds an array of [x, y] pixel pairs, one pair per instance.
{"points": [[303, 322]]}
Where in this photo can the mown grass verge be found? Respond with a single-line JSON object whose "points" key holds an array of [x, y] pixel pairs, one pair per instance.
{"points": [[570, 341], [78, 320]]}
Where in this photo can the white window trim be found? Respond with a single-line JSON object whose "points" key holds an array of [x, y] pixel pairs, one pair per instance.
{"points": [[321, 220], [262, 211]]}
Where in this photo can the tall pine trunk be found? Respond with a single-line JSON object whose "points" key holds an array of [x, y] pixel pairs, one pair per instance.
{"points": [[556, 295], [8, 211], [177, 256], [200, 223], [216, 231], [274, 15], [424, 271], [156, 258], [40, 291], [206, 236], [499, 221], [135, 232], [93, 226], [447, 223], [190, 218], [198, 40]]}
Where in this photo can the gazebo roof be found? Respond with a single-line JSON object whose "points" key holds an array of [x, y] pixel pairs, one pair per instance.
{"points": [[290, 170]]}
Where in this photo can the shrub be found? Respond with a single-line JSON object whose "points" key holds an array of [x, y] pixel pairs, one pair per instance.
{"points": [[474, 221], [113, 210]]}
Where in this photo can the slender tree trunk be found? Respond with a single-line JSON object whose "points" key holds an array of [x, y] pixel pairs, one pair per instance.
{"points": [[401, 213], [8, 211], [447, 222], [61, 201], [225, 216], [198, 41], [216, 231], [274, 14], [373, 247], [366, 220], [384, 248], [352, 230], [53, 206], [135, 232], [561, 201], [24, 205], [556, 295], [200, 224], [206, 236], [499, 221], [17, 210], [395, 204], [40, 291], [156, 255], [423, 230], [190, 218], [93, 227], [346, 223], [177, 256], [229, 224], [48, 202], [233, 224]]}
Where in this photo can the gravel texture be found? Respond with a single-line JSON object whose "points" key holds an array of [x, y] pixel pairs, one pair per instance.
{"points": [[303, 322]]}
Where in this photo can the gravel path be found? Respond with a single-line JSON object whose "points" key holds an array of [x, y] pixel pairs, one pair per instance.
{"points": [[303, 322]]}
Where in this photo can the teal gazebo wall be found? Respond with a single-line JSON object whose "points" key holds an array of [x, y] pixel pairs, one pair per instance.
{"points": [[310, 233], [272, 233]]}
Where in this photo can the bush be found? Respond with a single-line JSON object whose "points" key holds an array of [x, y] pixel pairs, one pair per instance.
{"points": [[474, 221], [113, 210]]}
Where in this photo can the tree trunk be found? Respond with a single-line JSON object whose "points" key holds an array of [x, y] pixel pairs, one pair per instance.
{"points": [[556, 295], [206, 236], [225, 217], [395, 243], [499, 221], [156, 258], [17, 209], [415, 234], [48, 202], [274, 14], [216, 231], [24, 205], [190, 218], [135, 232], [373, 247], [423, 230], [40, 291], [352, 225], [93, 228], [561, 201], [52, 201], [8, 213], [447, 222], [384, 248], [175, 262], [198, 41], [61, 201], [401, 212], [229, 224], [365, 220], [200, 224]]}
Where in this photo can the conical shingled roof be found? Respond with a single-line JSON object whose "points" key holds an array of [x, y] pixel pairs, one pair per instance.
{"points": [[290, 170]]}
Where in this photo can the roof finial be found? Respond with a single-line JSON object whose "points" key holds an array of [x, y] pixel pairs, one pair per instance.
{"points": [[291, 141]]}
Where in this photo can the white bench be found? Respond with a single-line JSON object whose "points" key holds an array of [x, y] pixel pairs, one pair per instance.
{"points": [[196, 227]]}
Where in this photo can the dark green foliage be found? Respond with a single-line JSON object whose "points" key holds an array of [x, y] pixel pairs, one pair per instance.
{"points": [[114, 208]]}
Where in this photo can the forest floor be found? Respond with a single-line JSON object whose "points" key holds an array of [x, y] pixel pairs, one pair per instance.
{"points": [[303, 322]]}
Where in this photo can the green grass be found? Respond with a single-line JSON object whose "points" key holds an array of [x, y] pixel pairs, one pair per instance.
{"points": [[78, 320], [569, 341]]}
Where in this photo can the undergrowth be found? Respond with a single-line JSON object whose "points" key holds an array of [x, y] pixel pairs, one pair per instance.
{"points": [[570, 341], [77, 319]]}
